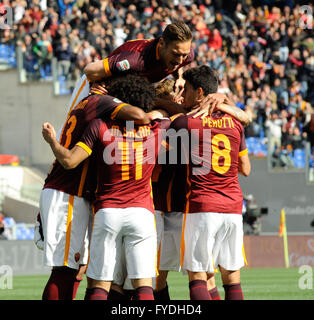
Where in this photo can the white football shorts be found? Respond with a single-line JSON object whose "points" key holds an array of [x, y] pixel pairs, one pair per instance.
{"points": [[66, 222], [118, 234], [211, 239], [159, 220], [171, 242]]}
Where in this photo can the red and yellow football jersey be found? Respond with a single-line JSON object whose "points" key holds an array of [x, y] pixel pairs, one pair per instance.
{"points": [[125, 159], [216, 142], [74, 181], [141, 56]]}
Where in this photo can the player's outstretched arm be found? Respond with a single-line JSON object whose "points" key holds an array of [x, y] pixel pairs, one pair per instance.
{"points": [[69, 159], [244, 166], [239, 114], [219, 101], [95, 71], [138, 115]]}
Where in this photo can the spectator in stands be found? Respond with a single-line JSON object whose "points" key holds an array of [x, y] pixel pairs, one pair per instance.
{"points": [[64, 55], [29, 60], [263, 58], [274, 124], [43, 54]]}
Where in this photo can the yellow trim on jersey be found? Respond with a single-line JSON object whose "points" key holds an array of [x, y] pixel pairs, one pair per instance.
{"points": [[98, 92], [83, 178], [106, 67], [243, 153], [172, 118], [68, 230], [117, 109], [85, 147], [140, 40]]}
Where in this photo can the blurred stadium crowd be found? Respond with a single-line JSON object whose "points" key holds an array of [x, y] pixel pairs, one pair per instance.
{"points": [[263, 51]]}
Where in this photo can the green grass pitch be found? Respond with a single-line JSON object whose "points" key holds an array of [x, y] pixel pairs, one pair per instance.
{"points": [[257, 284]]}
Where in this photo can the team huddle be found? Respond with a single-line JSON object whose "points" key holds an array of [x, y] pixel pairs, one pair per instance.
{"points": [[145, 178]]}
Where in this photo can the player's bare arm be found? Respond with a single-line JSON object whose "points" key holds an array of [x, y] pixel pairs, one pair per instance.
{"points": [[219, 101], [69, 159], [170, 106], [95, 71], [133, 113], [239, 114], [244, 166]]}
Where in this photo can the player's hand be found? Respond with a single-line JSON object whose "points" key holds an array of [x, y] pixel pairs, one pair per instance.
{"points": [[48, 132], [208, 105], [38, 234], [202, 109], [97, 88], [179, 85], [157, 114], [177, 96]]}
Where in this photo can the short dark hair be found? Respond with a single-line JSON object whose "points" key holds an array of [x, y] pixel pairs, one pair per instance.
{"points": [[133, 89], [177, 31], [202, 77]]}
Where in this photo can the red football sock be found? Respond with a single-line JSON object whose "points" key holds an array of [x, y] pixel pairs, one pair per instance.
{"points": [[233, 292], [144, 293], [214, 293], [96, 294], [61, 285], [198, 290]]}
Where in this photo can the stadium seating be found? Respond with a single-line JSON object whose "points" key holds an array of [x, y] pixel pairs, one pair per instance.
{"points": [[256, 146], [23, 232], [299, 158], [7, 56]]}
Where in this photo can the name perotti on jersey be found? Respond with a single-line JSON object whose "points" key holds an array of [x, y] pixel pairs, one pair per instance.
{"points": [[125, 158], [141, 56], [216, 142], [74, 181]]}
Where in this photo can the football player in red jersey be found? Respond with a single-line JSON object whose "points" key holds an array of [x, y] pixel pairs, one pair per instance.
{"points": [[64, 202], [212, 233], [124, 219], [154, 59]]}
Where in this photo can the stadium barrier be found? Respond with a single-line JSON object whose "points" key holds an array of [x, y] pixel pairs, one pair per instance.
{"points": [[261, 252], [268, 251]]}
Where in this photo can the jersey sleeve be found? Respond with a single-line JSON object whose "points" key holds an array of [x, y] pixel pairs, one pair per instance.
{"points": [[108, 107], [122, 61], [90, 136]]}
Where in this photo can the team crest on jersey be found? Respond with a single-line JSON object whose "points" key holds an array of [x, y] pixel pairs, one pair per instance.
{"points": [[123, 65]]}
